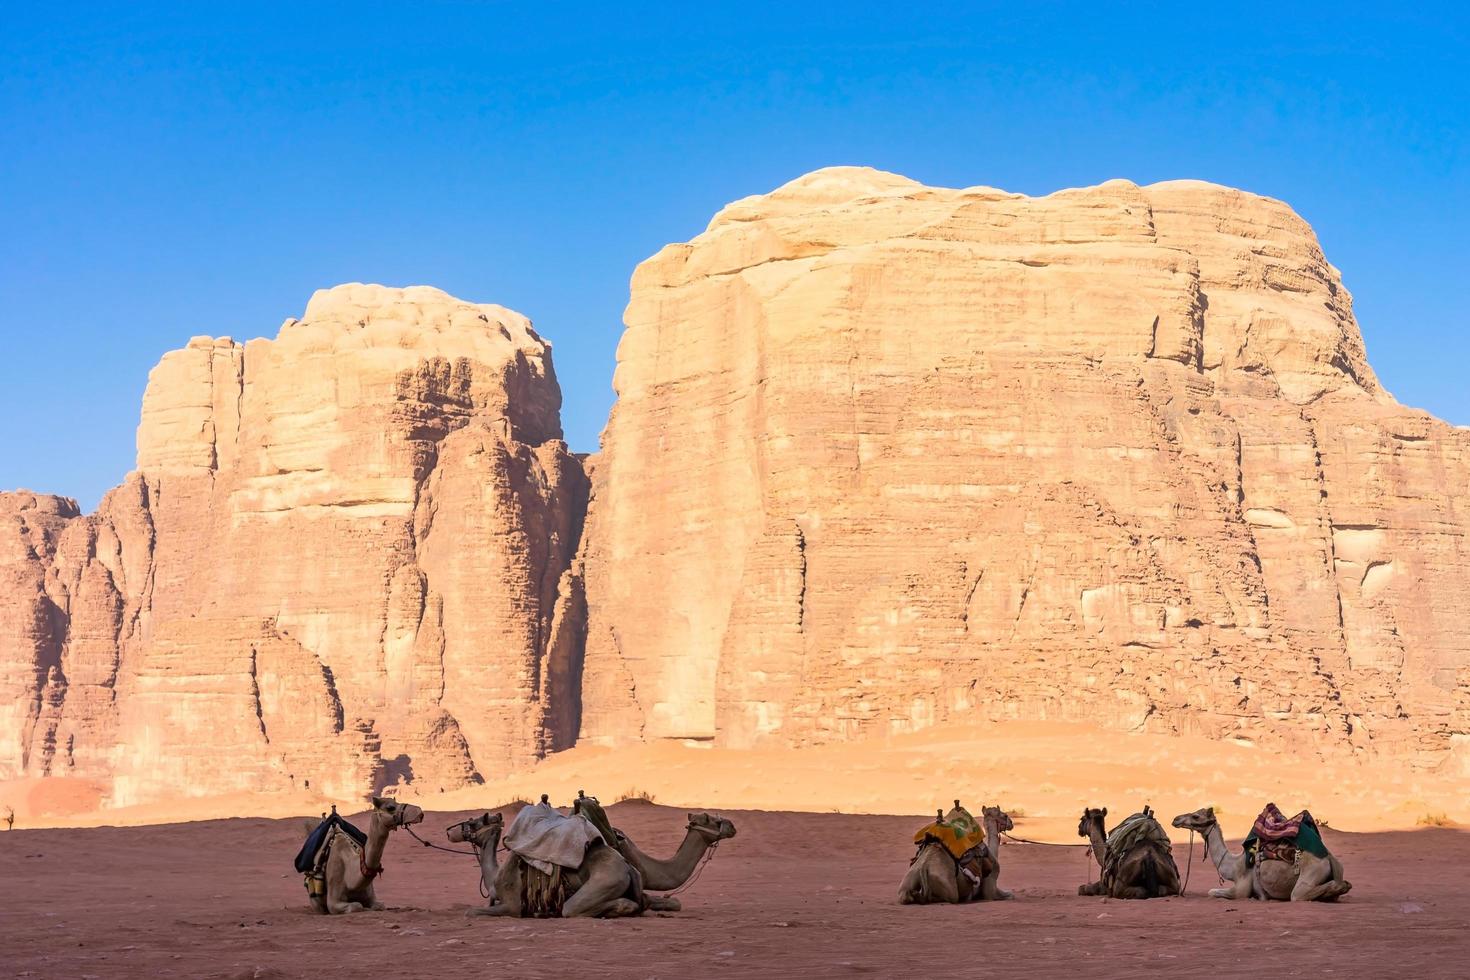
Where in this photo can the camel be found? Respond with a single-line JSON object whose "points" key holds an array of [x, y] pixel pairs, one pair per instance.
{"points": [[603, 886], [483, 833], [350, 870], [1308, 879], [935, 877], [1145, 870], [703, 833]]}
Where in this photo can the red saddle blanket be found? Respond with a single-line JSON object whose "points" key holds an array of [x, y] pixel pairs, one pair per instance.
{"points": [[1272, 824], [1275, 837]]}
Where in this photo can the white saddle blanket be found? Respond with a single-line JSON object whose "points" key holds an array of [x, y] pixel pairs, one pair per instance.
{"points": [[545, 838]]}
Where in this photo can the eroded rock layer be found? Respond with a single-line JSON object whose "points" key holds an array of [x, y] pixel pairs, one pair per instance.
{"points": [[336, 566], [885, 455]]}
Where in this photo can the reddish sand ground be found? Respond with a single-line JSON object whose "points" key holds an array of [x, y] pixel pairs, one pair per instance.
{"points": [[795, 894]]}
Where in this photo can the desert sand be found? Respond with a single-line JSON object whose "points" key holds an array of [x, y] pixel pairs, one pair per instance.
{"points": [[1044, 772], [794, 894]]}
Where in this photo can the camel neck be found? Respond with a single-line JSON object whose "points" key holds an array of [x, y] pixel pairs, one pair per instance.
{"points": [[377, 839], [1223, 860], [1099, 843], [992, 837], [660, 874], [488, 845]]}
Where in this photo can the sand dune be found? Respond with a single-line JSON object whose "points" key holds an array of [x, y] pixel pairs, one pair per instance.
{"points": [[1045, 772]]}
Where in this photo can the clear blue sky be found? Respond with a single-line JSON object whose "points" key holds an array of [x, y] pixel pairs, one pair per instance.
{"points": [[166, 172]]}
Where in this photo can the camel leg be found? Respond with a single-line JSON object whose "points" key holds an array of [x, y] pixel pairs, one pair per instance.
{"points": [[1237, 889], [664, 903], [991, 891], [605, 888], [1319, 883], [337, 901], [593, 901], [1091, 888], [492, 910]]}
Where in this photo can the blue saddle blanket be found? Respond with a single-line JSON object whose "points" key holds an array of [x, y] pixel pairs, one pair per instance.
{"points": [[306, 857]]}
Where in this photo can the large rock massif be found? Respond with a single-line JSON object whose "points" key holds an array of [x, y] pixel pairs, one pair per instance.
{"points": [[336, 566], [886, 455], [883, 456]]}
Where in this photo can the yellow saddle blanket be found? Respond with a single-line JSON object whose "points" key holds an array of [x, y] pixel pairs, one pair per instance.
{"points": [[958, 832]]}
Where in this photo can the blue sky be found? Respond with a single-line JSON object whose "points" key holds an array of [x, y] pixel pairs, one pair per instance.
{"points": [[171, 171]]}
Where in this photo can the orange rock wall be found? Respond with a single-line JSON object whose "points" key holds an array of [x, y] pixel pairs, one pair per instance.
{"points": [[887, 455]]}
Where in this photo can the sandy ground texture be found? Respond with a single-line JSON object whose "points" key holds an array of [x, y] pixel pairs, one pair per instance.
{"points": [[1045, 770], [794, 894]]}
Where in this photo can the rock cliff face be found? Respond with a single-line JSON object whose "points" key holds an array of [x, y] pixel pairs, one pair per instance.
{"points": [[885, 455], [336, 566]]}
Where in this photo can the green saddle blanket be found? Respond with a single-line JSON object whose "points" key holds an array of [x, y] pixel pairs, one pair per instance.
{"points": [[1133, 831]]}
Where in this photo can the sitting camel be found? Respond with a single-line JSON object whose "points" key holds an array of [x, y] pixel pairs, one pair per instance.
{"points": [[1307, 879], [1136, 861], [350, 869], [603, 885], [936, 876], [703, 833]]}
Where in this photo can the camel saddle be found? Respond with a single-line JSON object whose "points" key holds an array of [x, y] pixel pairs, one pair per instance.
{"points": [[313, 853], [1141, 828], [958, 832], [547, 839], [964, 839], [1276, 837]]}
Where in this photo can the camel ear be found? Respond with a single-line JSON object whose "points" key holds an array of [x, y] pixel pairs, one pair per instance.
{"points": [[1212, 811], [378, 801], [1105, 811]]}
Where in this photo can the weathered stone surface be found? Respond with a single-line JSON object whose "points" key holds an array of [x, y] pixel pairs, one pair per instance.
{"points": [[885, 455], [336, 565]]}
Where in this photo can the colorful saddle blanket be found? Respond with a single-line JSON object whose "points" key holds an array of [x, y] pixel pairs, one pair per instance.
{"points": [[958, 832], [1276, 837], [307, 857]]}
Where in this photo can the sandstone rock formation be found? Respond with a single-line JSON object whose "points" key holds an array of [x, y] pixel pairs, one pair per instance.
{"points": [[336, 565], [885, 455]]}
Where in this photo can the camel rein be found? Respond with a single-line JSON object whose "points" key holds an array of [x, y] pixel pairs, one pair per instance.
{"points": [[439, 847]]}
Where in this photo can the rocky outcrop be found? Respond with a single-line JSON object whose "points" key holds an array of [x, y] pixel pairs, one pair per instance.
{"points": [[885, 455], [336, 566]]}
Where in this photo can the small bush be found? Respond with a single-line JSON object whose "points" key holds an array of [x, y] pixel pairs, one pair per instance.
{"points": [[635, 794], [1432, 819]]}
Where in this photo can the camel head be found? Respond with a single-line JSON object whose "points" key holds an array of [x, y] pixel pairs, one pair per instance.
{"points": [[1092, 815], [394, 814], [715, 828], [475, 830], [1201, 820], [1002, 819]]}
